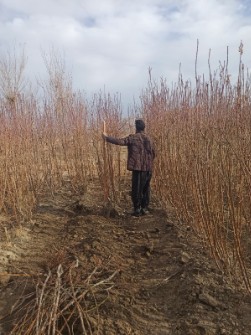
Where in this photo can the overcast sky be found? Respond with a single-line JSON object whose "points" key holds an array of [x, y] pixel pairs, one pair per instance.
{"points": [[112, 43]]}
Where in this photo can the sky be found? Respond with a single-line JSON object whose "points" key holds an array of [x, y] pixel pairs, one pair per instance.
{"points": [[110, 44]]}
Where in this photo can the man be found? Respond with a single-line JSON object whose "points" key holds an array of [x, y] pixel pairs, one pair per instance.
{"points": [[140, 161]]}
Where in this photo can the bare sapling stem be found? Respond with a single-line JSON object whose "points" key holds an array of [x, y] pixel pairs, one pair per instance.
{"points": [[105, 174]]}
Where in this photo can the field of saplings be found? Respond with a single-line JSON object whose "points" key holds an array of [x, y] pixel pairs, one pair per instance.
{"points": [[72, 259]]}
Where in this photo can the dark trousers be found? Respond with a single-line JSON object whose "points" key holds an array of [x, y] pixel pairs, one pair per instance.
{"points": [[141, 188]]}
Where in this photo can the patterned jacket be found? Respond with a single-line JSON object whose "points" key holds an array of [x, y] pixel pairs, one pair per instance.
{"points": [[141, 151]]}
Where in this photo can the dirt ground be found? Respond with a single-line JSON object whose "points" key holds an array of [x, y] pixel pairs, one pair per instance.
{"points": [[161, 279]]}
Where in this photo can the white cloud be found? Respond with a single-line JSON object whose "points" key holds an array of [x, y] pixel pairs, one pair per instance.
{"points": [[112, 43]]}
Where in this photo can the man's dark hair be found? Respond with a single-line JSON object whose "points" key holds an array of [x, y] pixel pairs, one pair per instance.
{"points": [[140, 125]]}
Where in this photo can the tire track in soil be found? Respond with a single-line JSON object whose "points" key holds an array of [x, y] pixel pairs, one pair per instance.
{"points": [[163, 270]]}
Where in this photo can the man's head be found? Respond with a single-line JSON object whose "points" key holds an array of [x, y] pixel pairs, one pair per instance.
{"points": [[140, 125]]}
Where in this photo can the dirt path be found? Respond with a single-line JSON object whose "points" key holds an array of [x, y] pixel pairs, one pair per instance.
{"points": [[164, 282]]}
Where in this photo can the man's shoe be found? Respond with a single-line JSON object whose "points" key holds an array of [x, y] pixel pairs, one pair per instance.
{"points": [[144, 211], [137, 212]]}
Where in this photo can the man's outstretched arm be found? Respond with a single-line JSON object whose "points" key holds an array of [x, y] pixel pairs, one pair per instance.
{"points": [[114, 140]]}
